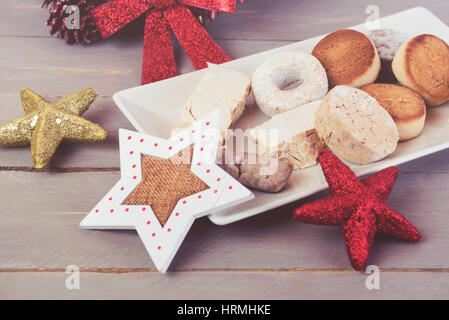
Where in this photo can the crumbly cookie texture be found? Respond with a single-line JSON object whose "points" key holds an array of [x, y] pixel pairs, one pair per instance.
{"points": [[290, 136], [355, 127], [220, 88], [405, 106]]}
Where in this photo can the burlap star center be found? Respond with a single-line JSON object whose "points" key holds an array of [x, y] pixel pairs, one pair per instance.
{"points": [[164, 182]]}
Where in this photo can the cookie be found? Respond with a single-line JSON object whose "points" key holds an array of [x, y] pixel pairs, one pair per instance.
{"points": [[290, 136], [354, 126], [349, 58], [274, 75], [220, 88], [422, 64], [405, 106], [387, 42]]}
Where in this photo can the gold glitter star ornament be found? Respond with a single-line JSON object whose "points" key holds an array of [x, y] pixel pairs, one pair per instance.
{"points": [[45, 125]]}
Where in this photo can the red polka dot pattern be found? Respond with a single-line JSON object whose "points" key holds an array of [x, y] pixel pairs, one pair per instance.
{"points": [[190, 205]]}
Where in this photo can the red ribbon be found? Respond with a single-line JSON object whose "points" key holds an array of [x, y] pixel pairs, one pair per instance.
{"points": [[161, 16]]}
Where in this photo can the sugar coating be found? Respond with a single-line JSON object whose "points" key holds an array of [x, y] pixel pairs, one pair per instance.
{"points": [[387, 42], [277, 72]]}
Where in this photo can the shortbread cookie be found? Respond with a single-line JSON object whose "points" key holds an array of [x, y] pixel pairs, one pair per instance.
{"points": [[290, 136], [220, 88], [273, 77], [354, 126], [422, 63], [349, 58], [387, 42], [405, 106]]}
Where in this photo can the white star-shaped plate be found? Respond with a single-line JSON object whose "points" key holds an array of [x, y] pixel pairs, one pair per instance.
{"points": [[162, 242]]}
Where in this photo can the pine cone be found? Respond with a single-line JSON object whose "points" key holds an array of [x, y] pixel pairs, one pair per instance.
{"points": [[87, 31], [57, 20]]}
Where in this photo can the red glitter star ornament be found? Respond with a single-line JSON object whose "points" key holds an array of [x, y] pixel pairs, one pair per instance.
{"points": [[161, 16], [358, 206]]}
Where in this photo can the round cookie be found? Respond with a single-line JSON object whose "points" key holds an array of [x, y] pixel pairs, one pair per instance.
{"points": [[354, 126], [349, 58], [275, 74], [422, 64], [387, 42], [405, 106]]}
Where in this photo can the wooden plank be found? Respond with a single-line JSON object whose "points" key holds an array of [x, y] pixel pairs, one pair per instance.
{"points": [[41, 212], [23, 18], [71, 155], [55, 69], [108, 67], [223, 285], [299, 20], [281, 20]]}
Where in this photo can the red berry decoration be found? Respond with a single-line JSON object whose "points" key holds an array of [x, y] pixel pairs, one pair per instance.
{"points": [[358, 206]]}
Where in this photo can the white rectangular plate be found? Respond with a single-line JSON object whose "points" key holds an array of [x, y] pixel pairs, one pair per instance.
{"points": [[155, 109]]}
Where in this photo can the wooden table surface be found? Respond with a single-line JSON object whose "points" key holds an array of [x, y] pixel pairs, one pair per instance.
{"points": [[266, 256]]}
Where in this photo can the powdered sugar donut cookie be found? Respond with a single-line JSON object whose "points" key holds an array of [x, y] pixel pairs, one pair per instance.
{"points": [[277, 73]]}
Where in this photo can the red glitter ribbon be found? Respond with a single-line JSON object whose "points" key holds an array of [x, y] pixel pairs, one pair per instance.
{"points": [[358, 206], [162, 15]]}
